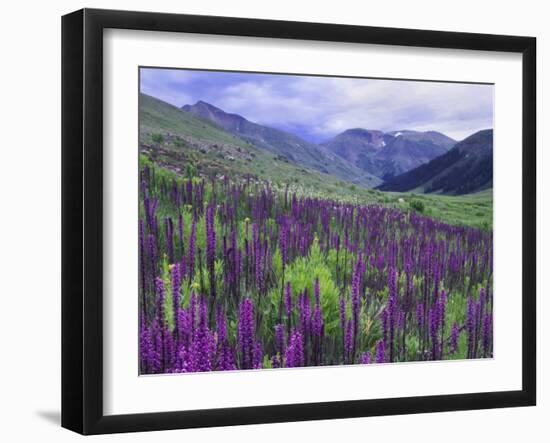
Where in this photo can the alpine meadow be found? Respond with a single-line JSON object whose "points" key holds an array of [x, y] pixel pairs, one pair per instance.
{"points": [[291, 221]]}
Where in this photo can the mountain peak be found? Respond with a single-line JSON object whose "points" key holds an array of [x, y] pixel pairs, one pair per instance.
{"points": [[465, 168], [206, 104], [387, 154], [283, 144], [360, 131], [207, 111], [201, 105]]}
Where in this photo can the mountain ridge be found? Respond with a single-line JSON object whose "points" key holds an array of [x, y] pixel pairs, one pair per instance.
{"points": [[388, 154], [283, 144], [464, 169]]}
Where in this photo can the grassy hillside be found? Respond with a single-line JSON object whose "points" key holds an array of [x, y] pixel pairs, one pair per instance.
{"points": [[178, 141], [157, 116], [470, 209], [284, 145]]}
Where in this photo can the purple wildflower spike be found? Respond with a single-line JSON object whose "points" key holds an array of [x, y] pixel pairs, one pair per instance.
{"points": [[380, 352]]}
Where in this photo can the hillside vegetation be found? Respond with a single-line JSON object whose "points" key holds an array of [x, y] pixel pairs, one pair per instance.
{"points": [[283, 144], [188, 145]]}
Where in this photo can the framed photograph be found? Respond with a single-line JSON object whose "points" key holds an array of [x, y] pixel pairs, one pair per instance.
{"points": [[269, 221]]}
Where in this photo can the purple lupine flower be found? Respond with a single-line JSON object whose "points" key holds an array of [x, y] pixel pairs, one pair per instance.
{"points": [[182, 360], [158, 345], [433, 316], [246, 333], [235, 262], [151, 242], [400, 319], [385, 325], [258, 355], [192, 240], [142, 268], [487, 327], [435, 273], [480, 315], [294, 355], [183, 267], [442, 308], [317, 323], [176, 298], [171, 349], [392, 308], [365, 358], [192, 310], [146, 351], [159, 285], [355, 296], [258, 258], [221, 325], [380, 352], [471, 326], [409, 288], [180, 234], [348, 342], [201, 348], [442, 254], [482, 296], [305, 313], [227, 359], [420, 316], [342, 312], [279, 338], [211, 247], [184, 326], [442, 312]]}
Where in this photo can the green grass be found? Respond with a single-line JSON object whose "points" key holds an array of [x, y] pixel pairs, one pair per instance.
{"points": [[157, 116], [471, 209]]}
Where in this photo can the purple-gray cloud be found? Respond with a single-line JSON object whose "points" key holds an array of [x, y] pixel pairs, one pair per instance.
{"points": [[318, 108]]}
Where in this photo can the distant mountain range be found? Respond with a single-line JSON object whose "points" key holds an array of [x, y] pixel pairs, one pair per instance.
{"points": [[428, 162], [464, 169], [386, 155], [284, 144]]}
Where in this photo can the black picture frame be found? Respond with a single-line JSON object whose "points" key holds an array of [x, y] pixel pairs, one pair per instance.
{"points": [[82, 220]]}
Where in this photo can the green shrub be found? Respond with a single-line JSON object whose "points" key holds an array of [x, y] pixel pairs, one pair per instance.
{"points": [[417, 205], [157, 138], [190, 170]]}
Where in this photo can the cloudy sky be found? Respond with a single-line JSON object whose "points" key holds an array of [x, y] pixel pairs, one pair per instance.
{"points": [[318, 108]]}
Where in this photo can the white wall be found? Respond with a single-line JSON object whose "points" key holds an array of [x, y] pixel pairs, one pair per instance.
{"points": [[30, 220]]}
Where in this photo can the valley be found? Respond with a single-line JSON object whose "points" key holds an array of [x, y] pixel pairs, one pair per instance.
{"points": [[206, 141]]}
